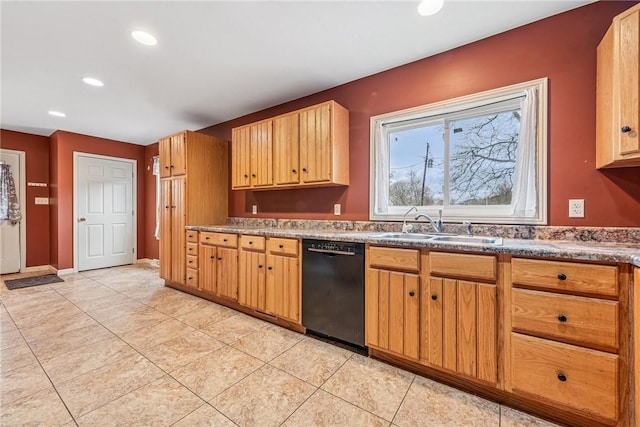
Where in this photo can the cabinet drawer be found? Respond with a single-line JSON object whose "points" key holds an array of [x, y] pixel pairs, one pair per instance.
{"points": [[192, 236], [577, 377], [192, 249], [192, 261], [192, 277], [481, 267], [219, 239], [575, 277], [584, 321], [252, 242], [282, 246], [394, 258]]}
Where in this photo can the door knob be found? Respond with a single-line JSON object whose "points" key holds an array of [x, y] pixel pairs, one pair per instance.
{"points": [[82, 219]]}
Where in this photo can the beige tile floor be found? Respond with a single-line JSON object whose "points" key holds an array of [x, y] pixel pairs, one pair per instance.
{"points": [[116, 347]]}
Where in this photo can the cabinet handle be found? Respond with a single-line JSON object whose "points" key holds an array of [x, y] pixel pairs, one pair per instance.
{"points": [[189, 278], [625, 129], [224, 240], [166, 167], [246, 176], [171, 166], [411, 293], [253, 175], [212, 257], [304, 169], [269, 268], [190, 249], [166, 207], [281, 246], [250, 242], [293, 171], [562, 276], [259, 266], [562, 318], [190, 262], [219, 258], [562, 377], [434, 297], [206, 238]]}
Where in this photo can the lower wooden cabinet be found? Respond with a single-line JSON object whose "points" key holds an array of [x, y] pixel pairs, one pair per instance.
{"points": [[218, 264], [252, 276], [459, 331], [283, 288]]}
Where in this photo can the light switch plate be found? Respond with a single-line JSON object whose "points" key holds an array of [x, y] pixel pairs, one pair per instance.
{"points": [[337, 209], [576, 208], [254, 209], [42, 200]]}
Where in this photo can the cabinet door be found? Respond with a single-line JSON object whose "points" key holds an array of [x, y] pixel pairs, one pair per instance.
{"points": [[315, 144], [283, 287], [207, 263], [241, 157], [628, 85], [261, 154], [164, 148], [392, 310], [178, 237], [165, 229], [252, 280], [461, 334], [227, 272], [286, 159], [178, 154]]}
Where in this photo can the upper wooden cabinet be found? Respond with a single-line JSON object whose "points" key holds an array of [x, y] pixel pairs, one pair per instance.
{"points": [[618, 88], [307, 147], [194, 191]]}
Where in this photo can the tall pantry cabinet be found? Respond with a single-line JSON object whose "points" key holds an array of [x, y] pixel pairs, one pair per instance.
{"points": [[193, 191]]}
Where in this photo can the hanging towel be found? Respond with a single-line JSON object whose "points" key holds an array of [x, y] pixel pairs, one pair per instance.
{"points": [[9, 206]]}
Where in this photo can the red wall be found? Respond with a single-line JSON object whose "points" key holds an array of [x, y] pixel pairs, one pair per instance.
{"points": [[151, 244], [562, 48], [63, 145], [36, 150]]}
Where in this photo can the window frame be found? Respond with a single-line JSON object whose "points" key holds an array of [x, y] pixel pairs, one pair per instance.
{"points": [[430, 112]]}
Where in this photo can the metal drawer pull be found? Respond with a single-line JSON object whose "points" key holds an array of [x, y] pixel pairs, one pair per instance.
{"points": [[562, 276], [562, 318], [411, 293], [562, 377], [434, 297]]}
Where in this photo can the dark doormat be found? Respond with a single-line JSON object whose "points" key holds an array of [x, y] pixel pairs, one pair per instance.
{"points": [[32, 281]]}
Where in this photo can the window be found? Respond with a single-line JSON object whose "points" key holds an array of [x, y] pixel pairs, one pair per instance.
{"points": [[480, 157]]}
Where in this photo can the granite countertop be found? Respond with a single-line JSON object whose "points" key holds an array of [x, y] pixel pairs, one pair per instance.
{"points": [[600, 251]]}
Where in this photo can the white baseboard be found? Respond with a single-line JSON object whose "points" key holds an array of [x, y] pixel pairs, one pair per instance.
{"points": [[150, 261], [38, 268], [65, 271]]}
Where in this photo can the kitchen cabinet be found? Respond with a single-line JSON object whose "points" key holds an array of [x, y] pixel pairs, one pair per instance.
{"points": [[252, 155], [252, 276], [193, 191], [618, 93], [460, 314], [564, 336], [219, 264], [392, 296], [304, 148], [191, 279], [282, 293]]}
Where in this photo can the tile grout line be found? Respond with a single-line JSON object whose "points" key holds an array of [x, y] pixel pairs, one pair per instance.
{"points": [[403, 399]]}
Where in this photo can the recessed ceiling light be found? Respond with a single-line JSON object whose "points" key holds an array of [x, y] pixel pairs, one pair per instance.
{"points": [[144, 38], [430, 7], [57, 113], [93, 82]]}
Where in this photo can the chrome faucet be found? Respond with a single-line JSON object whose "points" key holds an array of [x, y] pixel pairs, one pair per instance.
{"points": [[407, 227], [467, 225], [437, 226]]}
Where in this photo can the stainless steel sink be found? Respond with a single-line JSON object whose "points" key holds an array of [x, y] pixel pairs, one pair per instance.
{"points": [[411, 236], [466, 240]]}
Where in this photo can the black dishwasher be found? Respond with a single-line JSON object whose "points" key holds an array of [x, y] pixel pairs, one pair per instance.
{"points": [[333, 290]]}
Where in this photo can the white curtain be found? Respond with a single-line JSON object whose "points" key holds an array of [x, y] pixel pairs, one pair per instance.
{"points": [[524, 187], [381, 184], [156, 173], [9, 206]]}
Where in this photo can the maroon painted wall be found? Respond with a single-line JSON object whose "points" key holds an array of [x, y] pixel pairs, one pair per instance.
{"points": [[63, 145], [151, 244], [36, 150], [562, 48]]}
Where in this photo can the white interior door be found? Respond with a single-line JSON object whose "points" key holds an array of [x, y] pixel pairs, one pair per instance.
{"points": [[104, 207], [10, 233]]}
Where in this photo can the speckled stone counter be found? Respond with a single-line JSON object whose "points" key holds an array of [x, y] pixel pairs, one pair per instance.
{"points": [[584, 244]]}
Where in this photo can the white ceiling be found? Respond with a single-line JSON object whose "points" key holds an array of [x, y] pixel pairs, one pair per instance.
{"points": [[215, 60]]}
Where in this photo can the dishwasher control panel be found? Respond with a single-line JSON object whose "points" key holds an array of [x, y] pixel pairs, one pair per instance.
{"points": [[329, 246]]}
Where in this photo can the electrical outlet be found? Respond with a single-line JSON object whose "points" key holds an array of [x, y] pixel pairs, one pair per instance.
{"points": [[337, 209], [576, 208], [254, 209]]}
